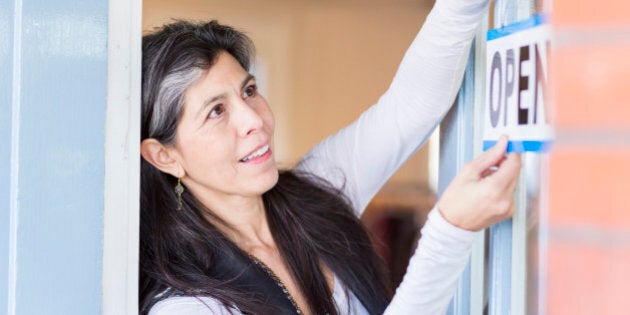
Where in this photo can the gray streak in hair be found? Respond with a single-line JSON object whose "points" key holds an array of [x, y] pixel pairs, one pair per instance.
{"points": [[171, 93]]}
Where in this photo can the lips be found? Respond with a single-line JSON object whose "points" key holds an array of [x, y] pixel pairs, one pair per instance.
{"points": [[261, 151]]}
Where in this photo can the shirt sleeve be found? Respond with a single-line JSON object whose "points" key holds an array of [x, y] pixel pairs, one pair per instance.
{"points": [[434, 269], [360, 158]]}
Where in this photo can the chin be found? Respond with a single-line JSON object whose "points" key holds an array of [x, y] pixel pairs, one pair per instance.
{"points": [[268, 181]]}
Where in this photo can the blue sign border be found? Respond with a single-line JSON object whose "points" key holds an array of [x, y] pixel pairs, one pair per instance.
{"points": [[521, 146], [534, 21]]}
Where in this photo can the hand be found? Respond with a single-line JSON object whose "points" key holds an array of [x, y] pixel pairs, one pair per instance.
{"points": [[482, 193]]}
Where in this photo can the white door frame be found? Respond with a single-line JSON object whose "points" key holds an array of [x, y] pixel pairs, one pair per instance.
{"points": [[122, 162]]}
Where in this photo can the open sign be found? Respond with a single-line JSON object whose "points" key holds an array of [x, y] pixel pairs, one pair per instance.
{"points": [[516, 86]]}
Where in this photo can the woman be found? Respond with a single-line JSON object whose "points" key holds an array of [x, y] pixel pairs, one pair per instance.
{"points": [[223, 231]]}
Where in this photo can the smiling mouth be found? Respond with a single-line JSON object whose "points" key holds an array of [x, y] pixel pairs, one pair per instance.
{"points": [[256, 154]]}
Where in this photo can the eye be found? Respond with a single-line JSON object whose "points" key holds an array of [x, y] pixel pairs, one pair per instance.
{"points": [[250, 91], [216, 111]]}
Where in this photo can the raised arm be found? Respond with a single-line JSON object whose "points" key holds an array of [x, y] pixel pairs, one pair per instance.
{"points": [[361, 157]]}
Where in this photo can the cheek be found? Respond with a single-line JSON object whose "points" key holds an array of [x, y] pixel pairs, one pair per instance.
{"points": [[210, 158], [271, 122], [268, 118]]}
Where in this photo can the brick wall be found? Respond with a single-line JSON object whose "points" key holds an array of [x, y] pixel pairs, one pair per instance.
{"points": [[589, 174]]}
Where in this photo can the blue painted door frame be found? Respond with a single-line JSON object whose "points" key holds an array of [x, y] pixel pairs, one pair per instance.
{"points": [[498, 285], [53, 75]]}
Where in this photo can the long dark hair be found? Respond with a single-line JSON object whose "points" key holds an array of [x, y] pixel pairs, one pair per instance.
{"points": [[182, 253]]}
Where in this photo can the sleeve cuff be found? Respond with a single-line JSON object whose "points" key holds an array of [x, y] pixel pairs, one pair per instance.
{"points": [[446, 227], [444, 239]]}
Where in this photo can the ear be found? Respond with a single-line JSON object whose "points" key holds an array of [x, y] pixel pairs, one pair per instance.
{"points": [[162, 157]]}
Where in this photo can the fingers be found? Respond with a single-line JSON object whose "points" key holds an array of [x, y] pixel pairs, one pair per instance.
{"points": [[492, 157], [508, 172], [489, 171]]}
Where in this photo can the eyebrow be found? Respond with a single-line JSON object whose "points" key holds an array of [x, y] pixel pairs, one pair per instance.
{"points": [[221, 96]]}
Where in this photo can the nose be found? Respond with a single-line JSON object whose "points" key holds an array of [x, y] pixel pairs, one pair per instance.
{"points": [[247, 119]]}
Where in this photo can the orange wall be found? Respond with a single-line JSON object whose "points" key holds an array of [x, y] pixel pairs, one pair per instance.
{"points": [[326, 61], [589, 179]]}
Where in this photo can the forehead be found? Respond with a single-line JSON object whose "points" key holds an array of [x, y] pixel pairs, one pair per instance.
{"points": [[226, 73]]}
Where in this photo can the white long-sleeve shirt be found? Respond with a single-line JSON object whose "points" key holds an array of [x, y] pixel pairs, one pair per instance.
{"points": [[362, 157]]}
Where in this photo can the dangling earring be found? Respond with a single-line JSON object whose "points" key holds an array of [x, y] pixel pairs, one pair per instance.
{"points": [[179, 190]]}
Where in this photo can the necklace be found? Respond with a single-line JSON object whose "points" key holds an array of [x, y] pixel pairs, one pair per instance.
{"points": [[278, 282]]}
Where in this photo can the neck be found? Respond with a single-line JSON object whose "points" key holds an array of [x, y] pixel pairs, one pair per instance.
{"points": [[241, 219]]}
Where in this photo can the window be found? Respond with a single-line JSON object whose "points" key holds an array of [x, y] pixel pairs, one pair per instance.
{"points": [[504, 274]]}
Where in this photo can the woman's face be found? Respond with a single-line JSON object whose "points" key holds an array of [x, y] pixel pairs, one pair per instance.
{"points": [[225, 136]]}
